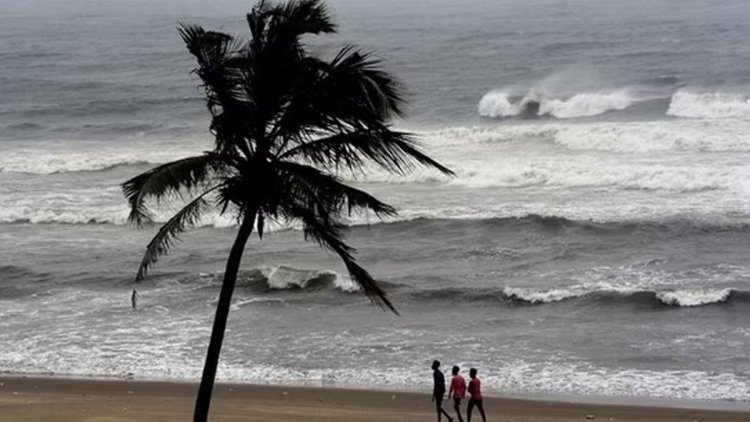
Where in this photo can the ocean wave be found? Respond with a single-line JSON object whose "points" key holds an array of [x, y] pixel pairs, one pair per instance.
{"points": [[502, 104], [530, 296], [711, 105], [586, 104], [534, 223], [80, 156], [687, 102], [413, 222], [624, 137], [17, 281], [578, 172], [286, 278], [74, 210], [42, 162], [616, 177], [493, 156], [25, 126], [15, 273], [643, 137], [700, 297]]}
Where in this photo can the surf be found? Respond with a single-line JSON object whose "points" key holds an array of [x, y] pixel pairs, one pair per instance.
{"points": [[499, 104]]}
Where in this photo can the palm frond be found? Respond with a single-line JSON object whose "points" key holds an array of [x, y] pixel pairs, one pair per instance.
{"points": [[361, 77], [394, 151], [351, 91], [321, 190], [329, 234], [216, 53], [171, 178], [289, 21], [223, 69], [299, 17], [184, 219]]}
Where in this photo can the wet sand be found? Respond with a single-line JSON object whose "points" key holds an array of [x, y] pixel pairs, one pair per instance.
{"points": [[76, 400]]}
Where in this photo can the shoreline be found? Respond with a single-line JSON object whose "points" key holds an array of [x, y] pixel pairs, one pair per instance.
{"points": [[636, 401], [41, 398]]}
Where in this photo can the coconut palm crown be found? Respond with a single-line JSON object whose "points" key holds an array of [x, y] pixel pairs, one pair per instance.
{"points": [[286, 125]]}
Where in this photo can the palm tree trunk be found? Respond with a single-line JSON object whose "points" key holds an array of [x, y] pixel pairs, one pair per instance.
{"points": [[203, 401]]}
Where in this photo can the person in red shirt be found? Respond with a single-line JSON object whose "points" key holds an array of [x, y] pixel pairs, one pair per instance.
{"points": [[475, 390], [457, 391]]}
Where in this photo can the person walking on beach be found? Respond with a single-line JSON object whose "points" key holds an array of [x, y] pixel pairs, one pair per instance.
{"points": [[475, 390], [439, 391], [457, 391]]}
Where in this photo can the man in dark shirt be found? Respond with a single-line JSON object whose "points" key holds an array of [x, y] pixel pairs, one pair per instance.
{"points": [[439, 391]]}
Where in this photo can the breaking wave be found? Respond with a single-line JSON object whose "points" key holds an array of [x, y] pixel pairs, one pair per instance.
{"points": [[67, 157], [527, 296], [699, 297], [711, 105], [501, 104], [285, 278], [688, 103], [116, 214]]}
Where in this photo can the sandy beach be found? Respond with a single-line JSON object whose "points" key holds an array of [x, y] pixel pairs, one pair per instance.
{"points": [[75, 400]]}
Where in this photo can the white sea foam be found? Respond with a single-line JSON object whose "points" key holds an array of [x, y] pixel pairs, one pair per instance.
{"points": [[91, 211], [625, 137], [498, 104], [76, 156], [285, 278], [495, 156], [582, 174], [255, 300], [543, 296], [559, 158], [694, 297], [94, 333], [714, 105], [682, 298], [586, 379], [592, 284], [644, 137], [587, 104]]}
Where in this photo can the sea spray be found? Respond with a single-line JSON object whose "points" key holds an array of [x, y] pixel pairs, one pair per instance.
{"points": [[713, 105]]}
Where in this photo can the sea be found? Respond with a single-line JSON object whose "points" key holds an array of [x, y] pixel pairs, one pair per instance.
{"points": [[595, 240]]}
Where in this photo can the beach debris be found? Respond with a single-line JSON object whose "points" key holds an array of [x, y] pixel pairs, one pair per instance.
{"points": [[393, 397], [2, 384], [130, 391], [284, 393], [590, 416]]}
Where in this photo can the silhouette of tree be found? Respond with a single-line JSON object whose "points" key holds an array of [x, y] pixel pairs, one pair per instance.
{"points": [[286, 124]]}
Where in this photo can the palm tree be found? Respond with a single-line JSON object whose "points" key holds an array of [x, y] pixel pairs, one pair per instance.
{"points": [[286, 125]]}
